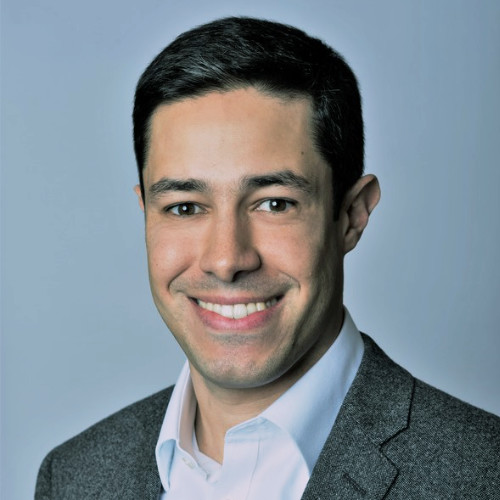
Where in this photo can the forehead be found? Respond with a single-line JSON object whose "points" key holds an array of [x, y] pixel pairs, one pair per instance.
{"points": [[224, 135]]}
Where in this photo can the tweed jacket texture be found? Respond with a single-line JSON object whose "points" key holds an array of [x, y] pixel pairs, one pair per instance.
{"points": [[394, 438]]}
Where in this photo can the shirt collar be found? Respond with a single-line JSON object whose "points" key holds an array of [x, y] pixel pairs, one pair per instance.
{"points": [[307, 411], [177, 427]]}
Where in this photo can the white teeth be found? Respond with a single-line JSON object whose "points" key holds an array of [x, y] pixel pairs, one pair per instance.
{"points": [[237, 311], [251, 308], [240, 311], [227, 311]]}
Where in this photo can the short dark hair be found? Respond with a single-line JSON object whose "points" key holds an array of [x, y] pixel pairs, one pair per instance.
{"points": [[238, 52]]}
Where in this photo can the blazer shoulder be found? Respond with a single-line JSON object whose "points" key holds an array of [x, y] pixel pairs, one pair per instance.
{"points": [[435, 412], [430, 411], [119, 442], [143, 414]]}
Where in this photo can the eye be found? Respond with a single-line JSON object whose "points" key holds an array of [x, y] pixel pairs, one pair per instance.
{"points": [[184, 209], [276, 205]]}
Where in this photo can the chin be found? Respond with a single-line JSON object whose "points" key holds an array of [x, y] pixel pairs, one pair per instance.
{"points": [[243, 374]]}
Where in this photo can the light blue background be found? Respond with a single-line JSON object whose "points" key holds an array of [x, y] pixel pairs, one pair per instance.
{"points": [[80, 335]]}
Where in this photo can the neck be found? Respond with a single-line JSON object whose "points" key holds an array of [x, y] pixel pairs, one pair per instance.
{"points": [[220, 408]]}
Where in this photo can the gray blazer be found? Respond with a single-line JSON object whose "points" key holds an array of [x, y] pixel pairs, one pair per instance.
{"points": [[394, 438]]}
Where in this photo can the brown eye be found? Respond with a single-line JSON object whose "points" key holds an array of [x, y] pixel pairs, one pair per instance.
{"points": [[275, 205], [184, 209], [278, 205]]}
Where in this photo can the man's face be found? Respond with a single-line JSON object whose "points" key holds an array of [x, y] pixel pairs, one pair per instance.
{"points": [[245, 260]]}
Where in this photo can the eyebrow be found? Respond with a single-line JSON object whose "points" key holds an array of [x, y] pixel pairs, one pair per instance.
{"points": [[281, 178], [166, 185]]}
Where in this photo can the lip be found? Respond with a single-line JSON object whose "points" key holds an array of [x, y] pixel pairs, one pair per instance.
{"points": [[255, 320]]}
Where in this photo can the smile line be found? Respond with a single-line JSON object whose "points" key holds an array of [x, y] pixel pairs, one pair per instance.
{"points": [[236, 311]]}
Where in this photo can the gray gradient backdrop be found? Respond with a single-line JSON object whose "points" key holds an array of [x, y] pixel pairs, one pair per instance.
{"points": [[80, 335]]}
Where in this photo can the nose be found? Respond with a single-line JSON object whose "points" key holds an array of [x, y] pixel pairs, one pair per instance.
{"points": [[229, 252]]}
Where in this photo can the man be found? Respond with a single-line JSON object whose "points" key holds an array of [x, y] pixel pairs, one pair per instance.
{"points": [[249, 142]]}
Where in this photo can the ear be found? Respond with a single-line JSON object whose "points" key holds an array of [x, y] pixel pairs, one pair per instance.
{"points": [[137, 190], [356, 208]]}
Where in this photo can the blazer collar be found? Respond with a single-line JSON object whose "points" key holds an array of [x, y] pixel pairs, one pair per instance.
{"points": [[352, 463]]}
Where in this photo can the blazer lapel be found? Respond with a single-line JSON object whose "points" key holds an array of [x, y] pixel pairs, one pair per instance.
{"points": [[352, 463]]}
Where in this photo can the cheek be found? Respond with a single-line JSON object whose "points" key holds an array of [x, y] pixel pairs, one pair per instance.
{"points": [[300, 252], [169, 254]]}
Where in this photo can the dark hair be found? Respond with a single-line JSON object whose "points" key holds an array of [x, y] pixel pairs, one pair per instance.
{"points": [[238, 52]]}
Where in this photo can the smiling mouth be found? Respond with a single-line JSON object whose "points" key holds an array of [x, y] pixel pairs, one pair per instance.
{"points": [[237, 311]]}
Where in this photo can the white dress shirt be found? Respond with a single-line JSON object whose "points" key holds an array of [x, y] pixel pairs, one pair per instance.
{"points": [[271, 455]]}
